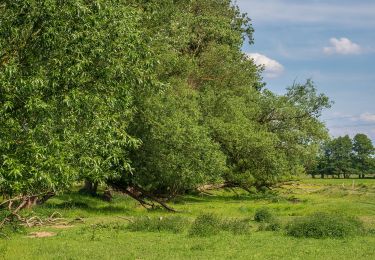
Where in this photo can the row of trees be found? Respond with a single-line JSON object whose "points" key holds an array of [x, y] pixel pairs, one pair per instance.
{"points": [[343, 156], [154, 98]]}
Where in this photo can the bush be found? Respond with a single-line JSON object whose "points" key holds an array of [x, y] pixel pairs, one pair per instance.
{"points": [[209, 224], [263, 215], [273, 225], [175, 224], [206, 225], [325, 225], [236, 226]]}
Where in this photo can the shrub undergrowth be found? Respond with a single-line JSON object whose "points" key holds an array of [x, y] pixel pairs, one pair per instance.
{"points": [[325, 225], [210, 224], [174, 224], [263, 215], [268, 221]]}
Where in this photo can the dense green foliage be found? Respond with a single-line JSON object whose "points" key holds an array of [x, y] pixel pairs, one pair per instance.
{"points": [[253, 137], [151, 97], [67, 73], [343, 156], [363, 155], [323, 225], [177, 154]]}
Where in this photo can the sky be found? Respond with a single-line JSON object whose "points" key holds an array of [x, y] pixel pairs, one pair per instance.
{"points": [[332, 42]]}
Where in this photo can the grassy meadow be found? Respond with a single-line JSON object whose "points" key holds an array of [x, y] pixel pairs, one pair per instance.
{"points": [[95, 229]]}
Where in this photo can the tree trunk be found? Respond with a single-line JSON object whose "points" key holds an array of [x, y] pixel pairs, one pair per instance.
{"points": [[89, 188], [107, 195]]}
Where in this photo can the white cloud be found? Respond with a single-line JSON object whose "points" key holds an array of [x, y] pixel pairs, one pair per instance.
{"points": [[367, 117], [272, 68], [341, 124], [342, 46]]}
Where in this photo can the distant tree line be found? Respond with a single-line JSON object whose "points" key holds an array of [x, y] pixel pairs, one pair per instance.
{"points": [[343, 157], [154, 98]]}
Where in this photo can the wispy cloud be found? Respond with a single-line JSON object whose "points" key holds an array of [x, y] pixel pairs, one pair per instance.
{"points": [[345, 124], [342, 46], [272, 68], [367, 117]]}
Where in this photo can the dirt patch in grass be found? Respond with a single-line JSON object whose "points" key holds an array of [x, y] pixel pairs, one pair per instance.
{"points": [[62, 226], [41, 234]]}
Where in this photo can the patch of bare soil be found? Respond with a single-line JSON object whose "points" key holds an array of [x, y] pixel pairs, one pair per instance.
{"points": [[62, 226], [41, 234]]}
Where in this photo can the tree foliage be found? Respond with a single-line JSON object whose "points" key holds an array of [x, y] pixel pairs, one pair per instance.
{"points": [[344, 156], [152, 96], [68, 71]]}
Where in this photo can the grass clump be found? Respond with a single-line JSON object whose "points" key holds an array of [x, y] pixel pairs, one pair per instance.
{"points": [[236, 226], [274, 225], [174, 224], [206, 225], [263, 215], [325, 225], [268, 221], [210, 224]]}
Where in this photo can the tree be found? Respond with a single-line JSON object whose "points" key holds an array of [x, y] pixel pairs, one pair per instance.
{"points": [[337, 157], [264, 137], [363, 154], [68, 73], [154, 98], [294, 118], [177, 154], [345, 156]]}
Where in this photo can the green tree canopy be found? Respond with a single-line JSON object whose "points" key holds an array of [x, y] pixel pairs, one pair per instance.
{"points": [[150, 95], [68, 74], [262, 136], [363, 156]]}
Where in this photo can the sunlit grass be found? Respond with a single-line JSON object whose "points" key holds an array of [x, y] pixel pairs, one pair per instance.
{"points": [[103, 232]]}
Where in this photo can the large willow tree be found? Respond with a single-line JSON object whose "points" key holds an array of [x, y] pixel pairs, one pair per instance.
{"points": [[261, 137], [68, 74]]}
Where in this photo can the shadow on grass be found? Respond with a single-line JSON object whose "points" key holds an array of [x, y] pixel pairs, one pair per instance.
{"points": [[272, 197], [86, 203]]}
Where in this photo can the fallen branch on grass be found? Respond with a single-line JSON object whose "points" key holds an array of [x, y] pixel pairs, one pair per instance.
{"points": [[16, 204]]}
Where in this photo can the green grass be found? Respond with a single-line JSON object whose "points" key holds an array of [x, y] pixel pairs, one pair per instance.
{"points": [[106, 234]]}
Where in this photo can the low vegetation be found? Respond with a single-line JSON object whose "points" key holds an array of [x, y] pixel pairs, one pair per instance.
{"points": [[323, 225], [263, 215], [174, 224], [123, 229], [210, 224]]}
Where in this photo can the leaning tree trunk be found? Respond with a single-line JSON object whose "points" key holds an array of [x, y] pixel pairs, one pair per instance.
{"points": [[139, 194]]}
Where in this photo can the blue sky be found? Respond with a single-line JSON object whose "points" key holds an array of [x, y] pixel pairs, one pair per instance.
{"points": [[332, 42]]}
